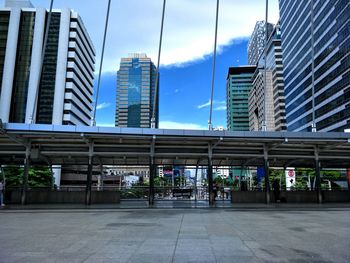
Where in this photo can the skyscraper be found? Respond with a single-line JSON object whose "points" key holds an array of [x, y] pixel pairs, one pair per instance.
{"points": [[238, 86], [274, 88], [61, 91], [318, 58], [136, 83], [257, 41]]}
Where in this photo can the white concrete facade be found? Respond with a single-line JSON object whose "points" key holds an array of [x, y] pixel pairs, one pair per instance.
{"points": [[74, 69], [58, 106], [9, 64], [35, 67]]}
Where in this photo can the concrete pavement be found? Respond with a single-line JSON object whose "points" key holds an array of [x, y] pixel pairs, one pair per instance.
{"points": [[175, 235]]}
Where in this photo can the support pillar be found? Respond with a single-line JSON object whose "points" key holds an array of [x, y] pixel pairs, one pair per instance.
{"points": [[267, 179], [89, 182], [100, 179], [25, 177], [195, 184], [152, 174], [318, 180], [210, 183]]}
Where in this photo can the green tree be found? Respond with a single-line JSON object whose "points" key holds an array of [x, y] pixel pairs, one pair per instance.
{"points": [[277, 175], [37, 176]]}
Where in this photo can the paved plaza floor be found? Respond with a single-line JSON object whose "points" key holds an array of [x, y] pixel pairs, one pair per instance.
{"points": [[175, 235]]}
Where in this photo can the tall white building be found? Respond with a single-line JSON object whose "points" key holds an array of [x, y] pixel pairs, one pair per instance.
{"points": [[60, 92]]}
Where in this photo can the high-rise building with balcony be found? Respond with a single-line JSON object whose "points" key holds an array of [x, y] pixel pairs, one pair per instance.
{"points": [[136, 84], [318, 58], [257, 41], [238, 85], [61, 90], [274, 88]]}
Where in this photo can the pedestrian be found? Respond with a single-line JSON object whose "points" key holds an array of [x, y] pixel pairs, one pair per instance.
{"points": [[2, 186], [215, 190], [276, 190]]}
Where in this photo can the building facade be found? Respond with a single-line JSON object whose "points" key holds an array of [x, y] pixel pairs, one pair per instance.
{"points": [[275, 102], [136, 84], [238, 85], [256, 101], [321, 61], [61, 90], [257, 41]]}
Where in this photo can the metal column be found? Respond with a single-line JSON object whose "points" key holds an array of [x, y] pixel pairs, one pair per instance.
{"points": [[195, 184], [89, 182], [89, 175], [267, 179], [210, 183], [318, 177], [210, 175], [152, 174], [25, 176]]}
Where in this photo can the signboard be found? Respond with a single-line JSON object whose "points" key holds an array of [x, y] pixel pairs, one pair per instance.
{"points": [[260, 173], [290, 178]]}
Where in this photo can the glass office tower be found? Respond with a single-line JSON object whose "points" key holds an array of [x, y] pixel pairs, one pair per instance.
{"points": [[136, 81], [238, 85], [331, 67]]}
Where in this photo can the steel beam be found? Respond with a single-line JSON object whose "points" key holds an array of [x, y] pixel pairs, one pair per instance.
{"points": [[267, 179], [318, 176], [25, 175], [89, 175], [152, 174], [210, 176]]}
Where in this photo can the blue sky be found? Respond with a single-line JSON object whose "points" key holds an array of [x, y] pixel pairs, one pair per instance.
{"points": [[186, 55], [184, 91]]}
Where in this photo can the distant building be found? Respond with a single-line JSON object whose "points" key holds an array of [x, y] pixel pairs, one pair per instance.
{"points": [[238, 85], [60, 93], [257, 41], [136, 85], [275, 102], [219, 128], [105, 176], [331, 64], [223, 171]]}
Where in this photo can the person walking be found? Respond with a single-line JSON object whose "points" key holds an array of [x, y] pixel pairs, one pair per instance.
{"points": [[2, 187], [276, 190]]}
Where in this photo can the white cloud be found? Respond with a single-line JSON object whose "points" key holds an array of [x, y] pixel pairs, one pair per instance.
{"points": [[188, 30], [220, 108], [103, 105], [219, 105], [182, 126], [204, 105]]}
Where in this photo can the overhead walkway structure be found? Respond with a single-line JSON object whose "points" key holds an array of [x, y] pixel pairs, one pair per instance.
{"points": [[34, 144]]}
